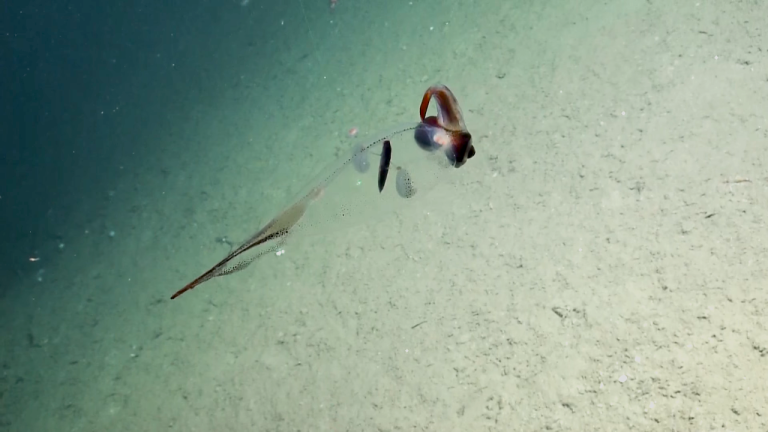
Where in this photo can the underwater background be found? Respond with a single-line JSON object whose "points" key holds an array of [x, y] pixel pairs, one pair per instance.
{"points": [[600, 264]]}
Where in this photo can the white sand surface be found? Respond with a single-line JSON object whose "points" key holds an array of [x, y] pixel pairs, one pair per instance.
{"points": [[599, 265]]}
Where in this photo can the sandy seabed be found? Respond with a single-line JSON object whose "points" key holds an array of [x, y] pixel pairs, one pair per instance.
{"points": [[599, 265]]}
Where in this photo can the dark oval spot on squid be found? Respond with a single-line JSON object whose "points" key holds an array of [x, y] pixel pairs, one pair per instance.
{"points": [[386, 158], [404, 184], [360, 160]]}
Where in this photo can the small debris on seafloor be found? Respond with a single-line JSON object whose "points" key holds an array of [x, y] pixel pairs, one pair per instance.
{"points": [[225, 240]]}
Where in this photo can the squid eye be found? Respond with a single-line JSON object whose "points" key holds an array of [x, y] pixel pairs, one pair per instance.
{"points": [[426, 134], [404, 184]]}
